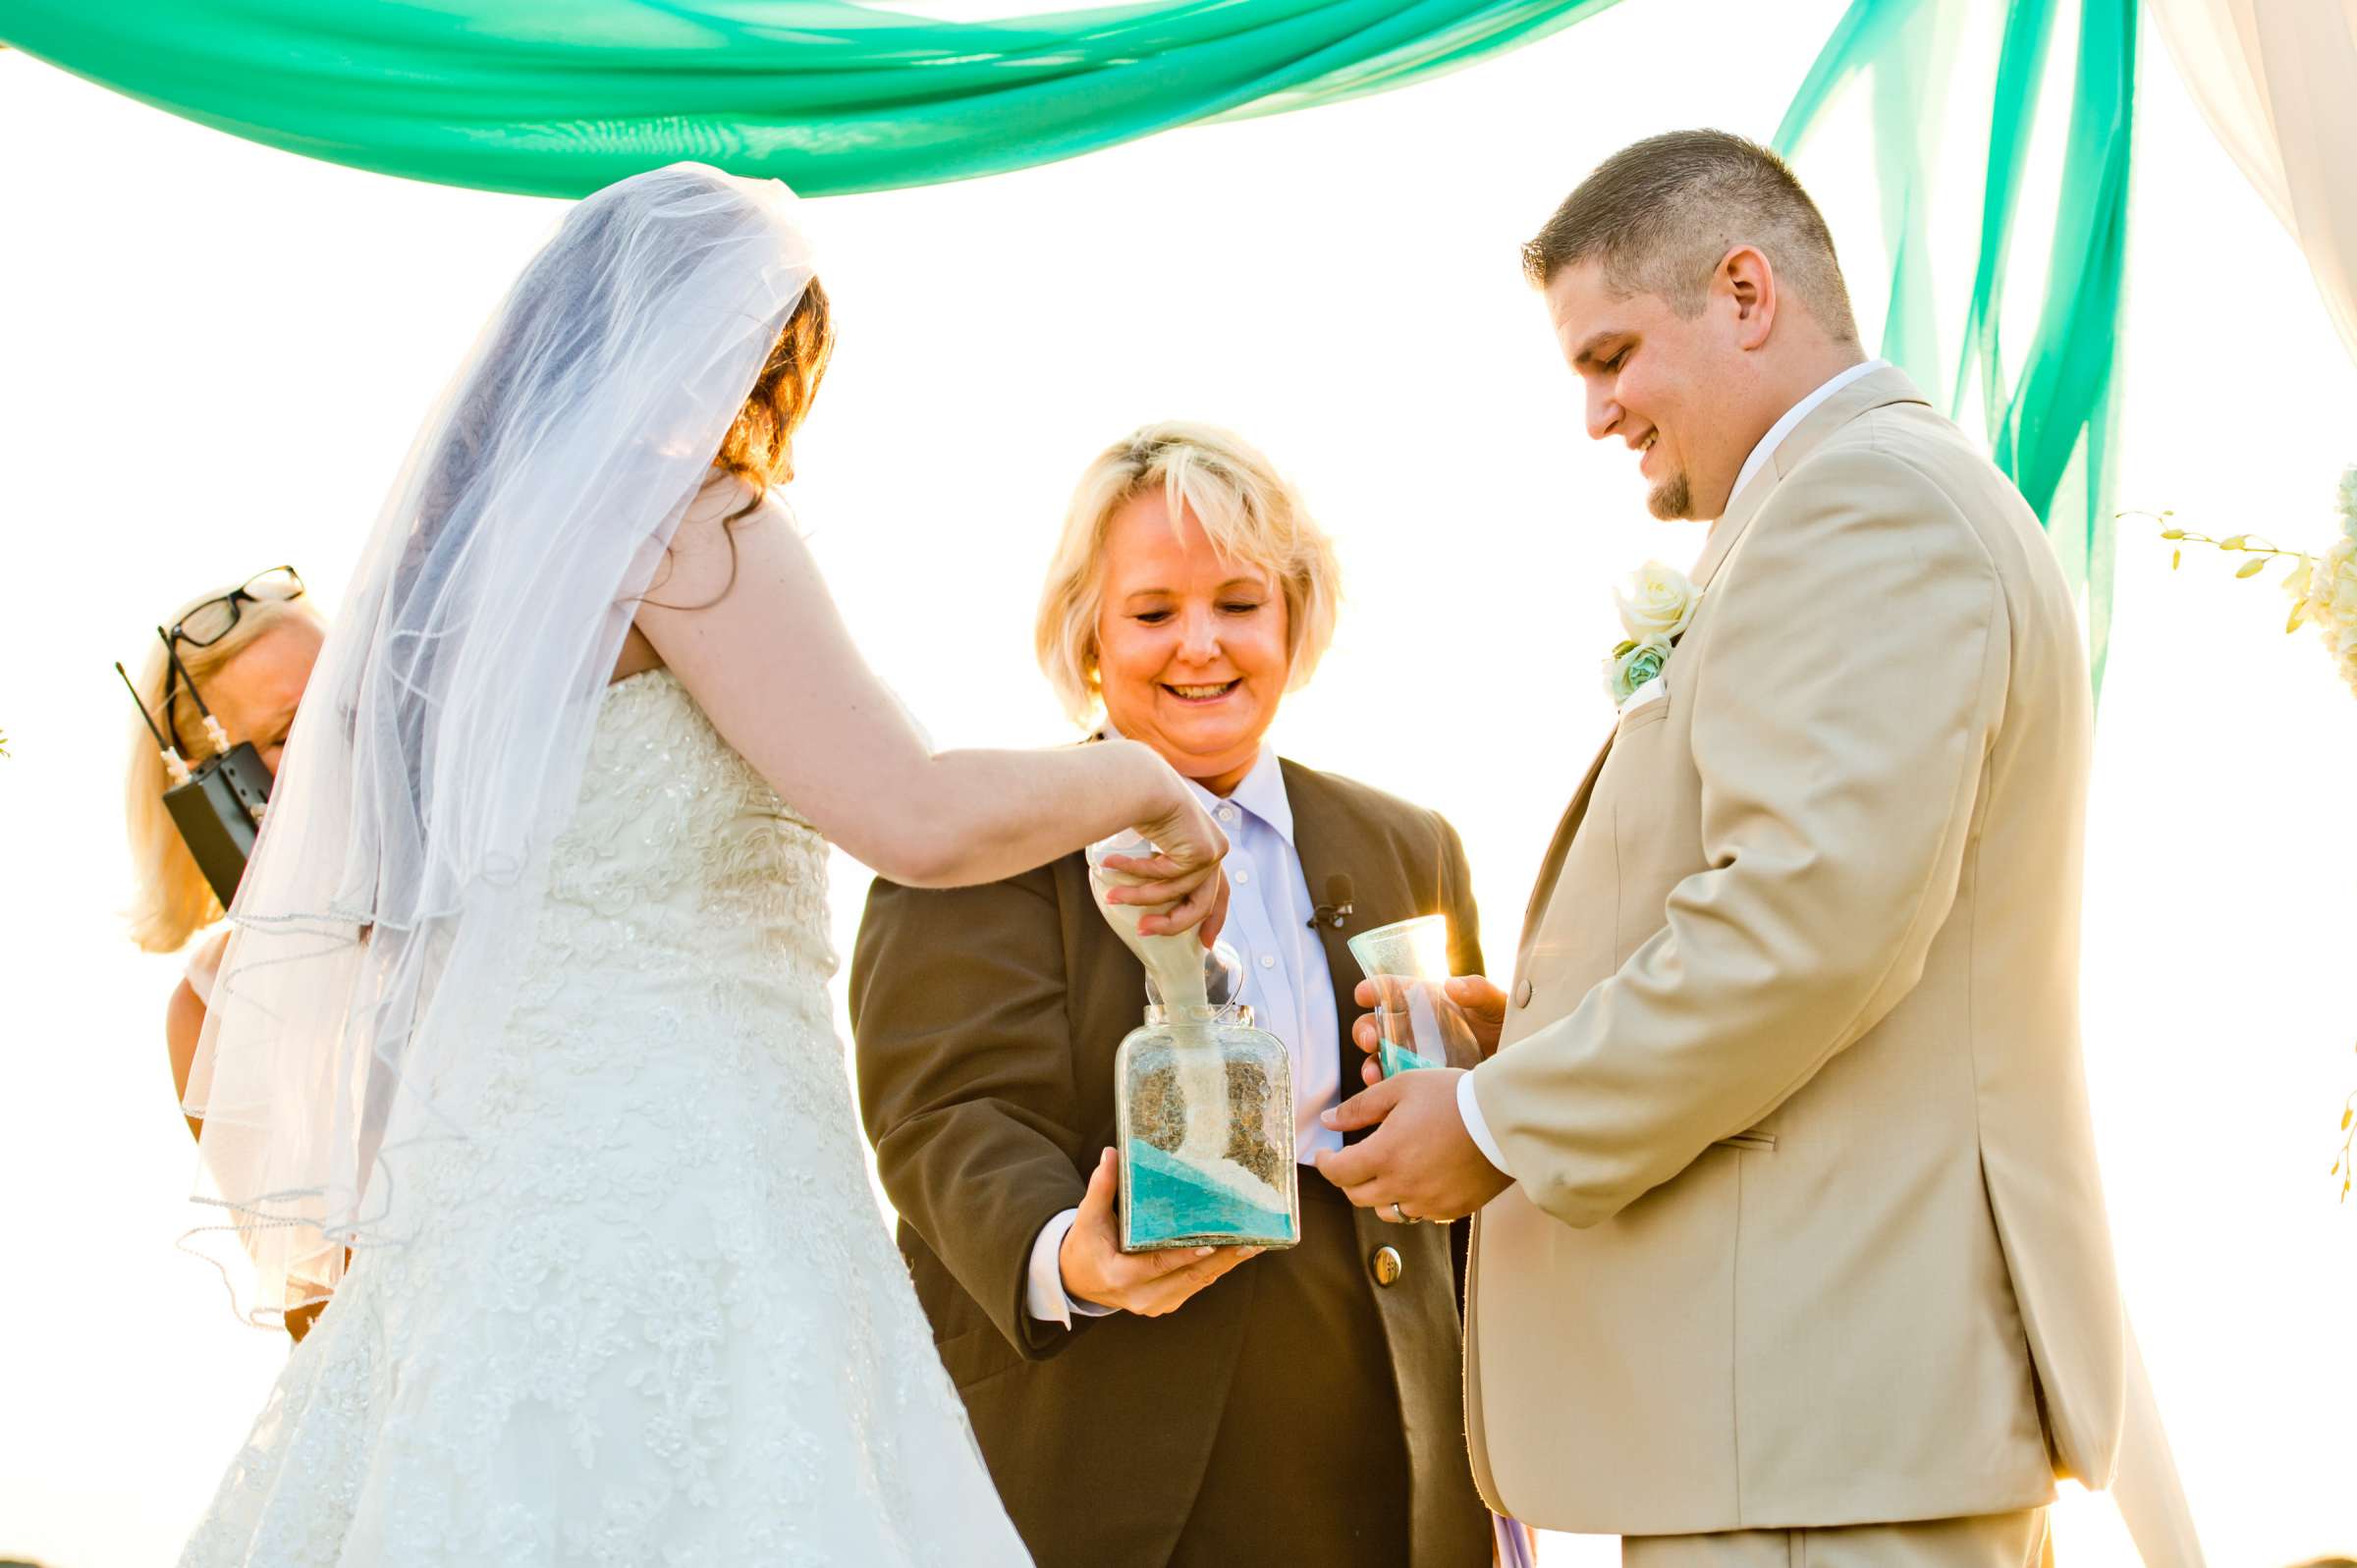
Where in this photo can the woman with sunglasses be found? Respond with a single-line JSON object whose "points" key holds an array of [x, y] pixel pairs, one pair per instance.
{"points": [[249, 649]]}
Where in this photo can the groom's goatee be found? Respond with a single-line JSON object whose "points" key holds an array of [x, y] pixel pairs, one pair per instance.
{"points": [[1672, 500]]}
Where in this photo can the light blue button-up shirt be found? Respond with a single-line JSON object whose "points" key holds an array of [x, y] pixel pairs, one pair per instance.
{"points": [[1288, 982]]}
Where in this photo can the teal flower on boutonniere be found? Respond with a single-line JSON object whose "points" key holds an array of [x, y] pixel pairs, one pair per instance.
{"points": [[1633, 664], [1655, 613]]}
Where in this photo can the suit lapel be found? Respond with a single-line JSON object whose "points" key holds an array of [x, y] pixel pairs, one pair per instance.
{"points": [[1553, 866], [1332, 840], [1112, 1000]]}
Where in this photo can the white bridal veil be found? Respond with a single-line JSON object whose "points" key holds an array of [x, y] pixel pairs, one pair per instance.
{"points": [[442, 739]]}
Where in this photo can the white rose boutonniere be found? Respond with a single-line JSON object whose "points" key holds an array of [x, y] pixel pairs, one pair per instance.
{"points": [[1655, 612], [1660, 604]]}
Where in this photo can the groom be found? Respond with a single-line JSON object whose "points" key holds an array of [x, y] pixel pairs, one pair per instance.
{"points": [[1794, 1248]]}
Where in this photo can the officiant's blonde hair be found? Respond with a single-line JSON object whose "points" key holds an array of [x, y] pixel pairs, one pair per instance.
{"points": [[1250, 514]]}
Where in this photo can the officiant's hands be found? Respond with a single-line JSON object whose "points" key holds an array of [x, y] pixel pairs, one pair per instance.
{"points": [[1419, 1158], [1477, 998], [1147, 1283]]}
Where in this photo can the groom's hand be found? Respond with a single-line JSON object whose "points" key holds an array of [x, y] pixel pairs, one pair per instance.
{"points": [[1420, 1157], [1476, 996], [1147, 1283]]}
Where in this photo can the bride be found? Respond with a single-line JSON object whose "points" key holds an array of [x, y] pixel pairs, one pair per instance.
{"points": [[522, 1048]]}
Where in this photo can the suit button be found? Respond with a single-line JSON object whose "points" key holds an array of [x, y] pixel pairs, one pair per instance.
{"points": [[1523, 991], [1386, 1265]]}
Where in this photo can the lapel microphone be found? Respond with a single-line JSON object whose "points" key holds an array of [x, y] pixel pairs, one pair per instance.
{"points": [[1336, 907]]}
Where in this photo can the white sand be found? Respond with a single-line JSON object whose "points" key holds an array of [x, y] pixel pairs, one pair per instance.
{"points": [[1175, 965]]}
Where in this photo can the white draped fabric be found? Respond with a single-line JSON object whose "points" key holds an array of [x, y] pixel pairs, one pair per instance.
{"points": [[2277, 80], [2147, 1490]]}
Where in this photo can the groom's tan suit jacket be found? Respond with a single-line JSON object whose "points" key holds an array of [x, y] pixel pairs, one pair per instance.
{"points": [[1806, 1229]]}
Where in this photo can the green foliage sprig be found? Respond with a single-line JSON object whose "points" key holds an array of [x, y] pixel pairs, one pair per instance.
{"points": [[2324, 594], [2260, 551]]}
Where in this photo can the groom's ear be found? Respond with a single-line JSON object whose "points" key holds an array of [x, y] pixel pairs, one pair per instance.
{"points": [[1745, 286]]}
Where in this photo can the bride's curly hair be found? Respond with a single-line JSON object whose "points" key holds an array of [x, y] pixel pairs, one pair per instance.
{"points": [[759, 446], [758, 449]]}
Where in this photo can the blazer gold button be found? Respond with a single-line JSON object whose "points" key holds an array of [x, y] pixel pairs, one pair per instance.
{"points": [[1385, 1266], [1523, 991]]}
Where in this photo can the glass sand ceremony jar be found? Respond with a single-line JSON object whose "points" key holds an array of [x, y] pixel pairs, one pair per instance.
{"points": [[1203, 1101], [1203, 1105]]}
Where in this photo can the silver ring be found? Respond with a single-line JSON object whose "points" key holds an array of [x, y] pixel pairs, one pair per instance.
{"points": [[1399, 1217]]}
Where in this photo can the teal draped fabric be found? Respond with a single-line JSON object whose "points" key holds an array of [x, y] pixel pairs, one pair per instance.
{"points": [[558, 97], [2049, 405]]}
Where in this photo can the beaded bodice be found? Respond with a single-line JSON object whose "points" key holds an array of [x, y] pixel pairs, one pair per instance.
{"points": [[678, 849]]}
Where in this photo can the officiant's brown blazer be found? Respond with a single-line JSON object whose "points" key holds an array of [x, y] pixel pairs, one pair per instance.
{"points": [[986, 1021], [1807, 1229]]}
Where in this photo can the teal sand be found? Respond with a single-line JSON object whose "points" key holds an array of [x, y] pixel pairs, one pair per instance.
{"points": [[1168, 1201], [1399, 1058]]}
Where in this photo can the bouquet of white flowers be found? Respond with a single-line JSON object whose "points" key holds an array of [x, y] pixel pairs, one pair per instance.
{"points": [[2325, 590]]}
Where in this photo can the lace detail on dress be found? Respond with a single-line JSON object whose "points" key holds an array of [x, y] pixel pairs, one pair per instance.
{"points": [[657, 1319]]}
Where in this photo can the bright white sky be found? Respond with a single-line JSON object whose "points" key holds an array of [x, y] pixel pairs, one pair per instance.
{"points": [[216, 354]]}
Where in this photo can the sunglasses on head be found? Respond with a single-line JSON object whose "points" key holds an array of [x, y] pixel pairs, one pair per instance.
{"points": [[213, 620], [217, 618]]}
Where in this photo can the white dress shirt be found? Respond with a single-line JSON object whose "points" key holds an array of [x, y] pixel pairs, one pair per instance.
{"points": [[1765, 447], [1288, 984]]}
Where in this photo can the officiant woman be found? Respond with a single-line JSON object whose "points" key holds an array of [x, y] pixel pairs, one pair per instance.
{"points": [[1298, 1406]]}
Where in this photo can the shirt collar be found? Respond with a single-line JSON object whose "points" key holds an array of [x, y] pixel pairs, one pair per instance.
{"points": [[1793, 416], [1261, 791]]}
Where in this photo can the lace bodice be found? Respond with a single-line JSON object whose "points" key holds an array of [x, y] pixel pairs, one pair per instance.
{"points": [[655, 1316], [676, 836]]}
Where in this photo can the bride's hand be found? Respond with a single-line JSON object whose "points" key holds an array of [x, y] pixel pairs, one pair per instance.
{"points": [[1185, 874]]}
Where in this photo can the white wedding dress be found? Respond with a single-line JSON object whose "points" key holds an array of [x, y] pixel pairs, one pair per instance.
{"points": [[657, 1319]]}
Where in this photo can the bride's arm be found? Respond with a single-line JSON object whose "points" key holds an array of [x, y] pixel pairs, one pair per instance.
{"points": [[744, 621]]}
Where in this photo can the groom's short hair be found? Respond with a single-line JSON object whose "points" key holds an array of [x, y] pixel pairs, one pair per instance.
{"points": [[1662, 214]]}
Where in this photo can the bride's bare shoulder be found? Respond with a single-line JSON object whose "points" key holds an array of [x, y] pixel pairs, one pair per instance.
{"points": [[707, 550]]}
